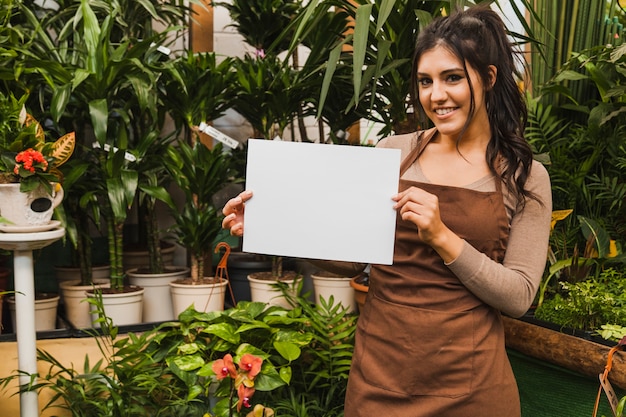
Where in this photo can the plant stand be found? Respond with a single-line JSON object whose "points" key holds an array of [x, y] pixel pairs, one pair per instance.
{"points": [[583, 356], [22, 246]]}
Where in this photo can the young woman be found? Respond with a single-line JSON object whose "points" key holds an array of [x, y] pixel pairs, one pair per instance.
{"points": [[471, 236]]}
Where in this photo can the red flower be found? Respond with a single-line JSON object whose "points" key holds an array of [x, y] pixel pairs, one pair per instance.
{"points": [[250, 364], [244, 393], [224, 367], [30, 160]]}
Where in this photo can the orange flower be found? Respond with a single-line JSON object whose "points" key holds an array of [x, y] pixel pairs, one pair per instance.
{"points": [[244, 393], [224, 367], [250, 364]]}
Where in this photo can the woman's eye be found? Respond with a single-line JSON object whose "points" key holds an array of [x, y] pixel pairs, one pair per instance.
{"points": [[454, 78], [424, 81]]}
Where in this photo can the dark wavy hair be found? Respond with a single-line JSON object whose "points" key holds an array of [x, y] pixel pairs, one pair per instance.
{"points": [[478, 37]]}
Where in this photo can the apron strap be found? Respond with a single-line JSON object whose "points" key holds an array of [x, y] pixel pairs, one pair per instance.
{"points": [[417, 150]]}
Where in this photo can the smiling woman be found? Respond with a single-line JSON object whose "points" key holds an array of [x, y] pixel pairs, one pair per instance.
{"points": [[469, 193]]}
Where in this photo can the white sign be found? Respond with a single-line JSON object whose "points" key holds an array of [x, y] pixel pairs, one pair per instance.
{"points": [[321, 201], [217, 135]]}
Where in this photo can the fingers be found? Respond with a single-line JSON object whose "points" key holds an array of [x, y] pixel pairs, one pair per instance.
{"points": [[233, 213], [417, 206], [228, 221], [236, 204]]}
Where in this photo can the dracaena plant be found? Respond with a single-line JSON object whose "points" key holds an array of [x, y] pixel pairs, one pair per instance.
{"points": [[199, 172]]}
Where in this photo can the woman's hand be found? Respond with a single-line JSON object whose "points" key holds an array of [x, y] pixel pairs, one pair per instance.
{"points": [[422, 209], [233, 211]]}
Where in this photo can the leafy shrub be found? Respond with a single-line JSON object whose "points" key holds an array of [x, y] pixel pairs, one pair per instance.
{"points": [[589, 304], [168, 370]]}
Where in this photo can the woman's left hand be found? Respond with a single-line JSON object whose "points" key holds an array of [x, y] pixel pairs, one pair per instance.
{"points": [[422, 209]]}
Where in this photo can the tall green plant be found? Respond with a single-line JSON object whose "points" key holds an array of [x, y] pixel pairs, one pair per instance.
{"points": [[199, 172], [380, 49], [269, 93], [562, 29], [586, 152], [100, 65], [196, 88], [263, 23]]}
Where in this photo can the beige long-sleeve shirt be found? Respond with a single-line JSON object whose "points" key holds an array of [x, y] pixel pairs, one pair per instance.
{"points": [[510, 286]]}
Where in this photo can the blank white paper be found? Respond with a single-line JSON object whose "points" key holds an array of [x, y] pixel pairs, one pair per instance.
{"points": [[321, 201]]}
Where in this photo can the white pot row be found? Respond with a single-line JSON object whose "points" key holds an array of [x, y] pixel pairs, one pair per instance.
{"points": [[159, 298], [163, 297]]}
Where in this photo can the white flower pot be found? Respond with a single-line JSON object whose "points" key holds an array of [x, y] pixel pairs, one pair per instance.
{"points": [[262, 290], [157, 299], [34, 208], [123, 308], [74, 298], [327, 285], [203, 297], [45, 311]]}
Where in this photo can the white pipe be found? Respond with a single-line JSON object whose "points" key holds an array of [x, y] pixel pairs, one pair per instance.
{"points": [[25, 328]]}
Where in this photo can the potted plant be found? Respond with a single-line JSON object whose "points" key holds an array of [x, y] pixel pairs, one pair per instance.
{"points": [[198, 172], [98, 82], [113, 81], [30, 185], [29, 176]]}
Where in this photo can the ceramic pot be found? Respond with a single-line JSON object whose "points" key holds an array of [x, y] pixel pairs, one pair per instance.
{"points": [[157, 299], [327, 284], [240, 265], [264, 291], [34, 208], [46, 305], [74, 300], [204, 297], [123, 308]]}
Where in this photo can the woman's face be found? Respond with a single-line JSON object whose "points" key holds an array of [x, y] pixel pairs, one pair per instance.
{"points": [[445, 95]]}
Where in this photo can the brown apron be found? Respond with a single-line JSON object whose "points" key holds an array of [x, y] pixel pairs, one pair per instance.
{"points": [[425, 345]]}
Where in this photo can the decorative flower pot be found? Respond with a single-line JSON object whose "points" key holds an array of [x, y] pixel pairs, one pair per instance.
{"points": [[157, 299], [263, 290], [123, 308], [74, 300], [45, 311], [31, 209], [208, 295], [327, 284]]}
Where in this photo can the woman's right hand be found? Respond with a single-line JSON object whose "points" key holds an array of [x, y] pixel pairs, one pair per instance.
{"points": [[233, 212]]}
